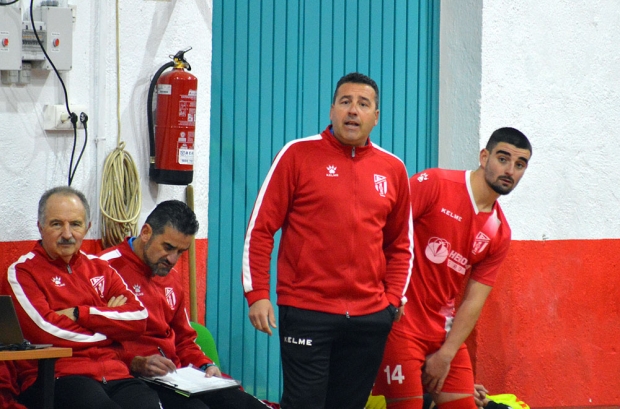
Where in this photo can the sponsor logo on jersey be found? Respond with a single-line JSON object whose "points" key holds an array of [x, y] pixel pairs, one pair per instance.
{"points": [[480, 243], [171, 298], [451, 214], [57, 281], [137, 290], [439, 250], [98, 284], [423, 177], [298, 341], [457, 262], [381, 185], [331, 171]]}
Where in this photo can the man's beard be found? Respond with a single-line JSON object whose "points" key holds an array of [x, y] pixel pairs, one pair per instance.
{"points": [[499, 188], [156, 267]]}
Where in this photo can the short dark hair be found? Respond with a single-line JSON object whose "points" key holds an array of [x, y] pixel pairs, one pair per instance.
{"points": [[509, 135], [357, 78], [175, 214], [62, 191]]}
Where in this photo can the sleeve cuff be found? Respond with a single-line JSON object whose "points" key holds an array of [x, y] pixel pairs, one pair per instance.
{"points": [[256, 295]]}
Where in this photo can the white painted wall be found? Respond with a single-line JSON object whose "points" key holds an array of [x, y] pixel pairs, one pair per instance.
{"points": [[33, 160], [550, 69]]}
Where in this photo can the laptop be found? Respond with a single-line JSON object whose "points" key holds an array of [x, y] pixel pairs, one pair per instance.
{"points": [[11, 335]]}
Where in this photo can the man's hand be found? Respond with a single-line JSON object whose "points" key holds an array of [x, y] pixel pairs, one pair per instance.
{"points": [[480, 396], [213, 370], [262, 316], [117, 301], [153, 365], [436, 370], [112, 302], [67, 312], [400, 311]]}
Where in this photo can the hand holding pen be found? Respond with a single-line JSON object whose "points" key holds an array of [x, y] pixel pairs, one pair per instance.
{"points": [[171, 366], [152, 365]]}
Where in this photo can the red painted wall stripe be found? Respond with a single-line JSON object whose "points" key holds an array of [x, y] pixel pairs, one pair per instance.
{"points": [[550, 329]]}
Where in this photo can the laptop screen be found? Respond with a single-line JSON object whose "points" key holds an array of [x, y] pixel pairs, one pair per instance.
{"points": [[11, 331], [11, 336]]}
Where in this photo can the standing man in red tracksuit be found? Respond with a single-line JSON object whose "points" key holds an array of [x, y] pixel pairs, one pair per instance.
{"points": [[345, 255], [69, 299]]}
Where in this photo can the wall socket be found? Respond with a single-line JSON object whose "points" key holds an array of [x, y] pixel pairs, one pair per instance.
{"points": [[56, 117]]}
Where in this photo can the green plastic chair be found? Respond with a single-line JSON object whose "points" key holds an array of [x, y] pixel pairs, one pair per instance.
{"points": [[206, 342]]}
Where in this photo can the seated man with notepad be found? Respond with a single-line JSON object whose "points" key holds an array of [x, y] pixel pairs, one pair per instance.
{"points": [[69, 299], [146, 263]]}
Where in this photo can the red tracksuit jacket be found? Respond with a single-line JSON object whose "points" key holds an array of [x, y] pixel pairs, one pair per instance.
{"points": [[42, 286], [168, 323], [347, 235]]}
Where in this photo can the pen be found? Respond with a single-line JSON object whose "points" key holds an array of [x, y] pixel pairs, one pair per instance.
{"points": [[161, 351]]}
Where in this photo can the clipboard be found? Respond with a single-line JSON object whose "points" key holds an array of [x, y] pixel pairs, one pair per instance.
{"points": [[191, 381]]}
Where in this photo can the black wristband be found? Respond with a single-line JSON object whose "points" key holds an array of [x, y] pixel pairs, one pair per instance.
{"points": [[206, 366], [76, 313]]}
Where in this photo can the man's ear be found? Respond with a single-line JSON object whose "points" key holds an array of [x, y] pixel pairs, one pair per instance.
{"points": [[146, 232], [484, 158]]}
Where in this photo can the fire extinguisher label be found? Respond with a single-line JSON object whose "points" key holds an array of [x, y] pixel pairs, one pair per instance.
{"points": [[186, 156], [164, 89]]}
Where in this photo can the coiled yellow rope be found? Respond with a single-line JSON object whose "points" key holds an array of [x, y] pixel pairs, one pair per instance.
{"points": [[120, 198]]}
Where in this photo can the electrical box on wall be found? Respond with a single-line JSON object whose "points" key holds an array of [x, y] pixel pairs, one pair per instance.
{"points": [[10, 38], [58, 41]]}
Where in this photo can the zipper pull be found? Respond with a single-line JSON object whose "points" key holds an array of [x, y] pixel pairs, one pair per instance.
{"points": [[347, 314], [69, 269], [352, 155], [103, 380]]}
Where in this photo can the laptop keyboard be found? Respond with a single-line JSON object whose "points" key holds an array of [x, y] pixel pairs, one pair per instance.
{"points": [[24, 346]]}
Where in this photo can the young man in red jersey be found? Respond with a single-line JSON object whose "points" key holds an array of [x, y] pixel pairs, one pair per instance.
{"points": [[459, 232]]}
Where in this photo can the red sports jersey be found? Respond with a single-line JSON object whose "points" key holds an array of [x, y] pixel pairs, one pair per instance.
{"points": [[451, 236]]}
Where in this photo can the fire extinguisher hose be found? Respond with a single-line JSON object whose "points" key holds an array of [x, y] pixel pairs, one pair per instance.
{"points": [[149, 109]]}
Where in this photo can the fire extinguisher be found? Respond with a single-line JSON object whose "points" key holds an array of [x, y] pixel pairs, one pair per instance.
{"points": [[171, 139]]}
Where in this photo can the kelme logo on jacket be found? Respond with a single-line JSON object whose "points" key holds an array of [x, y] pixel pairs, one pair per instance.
{"points": [[137, 290], [331, 172], [98, 284], [58, 281], [381, 185]]}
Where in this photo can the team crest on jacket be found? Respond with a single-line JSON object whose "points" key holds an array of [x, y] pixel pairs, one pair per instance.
{"points": [[381, 185], [58, 281], [331, 172], [99, 284], [481, 242], [171, 298]]}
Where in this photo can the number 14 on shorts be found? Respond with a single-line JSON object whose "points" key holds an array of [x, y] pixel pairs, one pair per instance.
{"points": [[396, 375]]}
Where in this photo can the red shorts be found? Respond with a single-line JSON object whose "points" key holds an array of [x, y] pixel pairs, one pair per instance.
{"points": [[400, 373]]}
